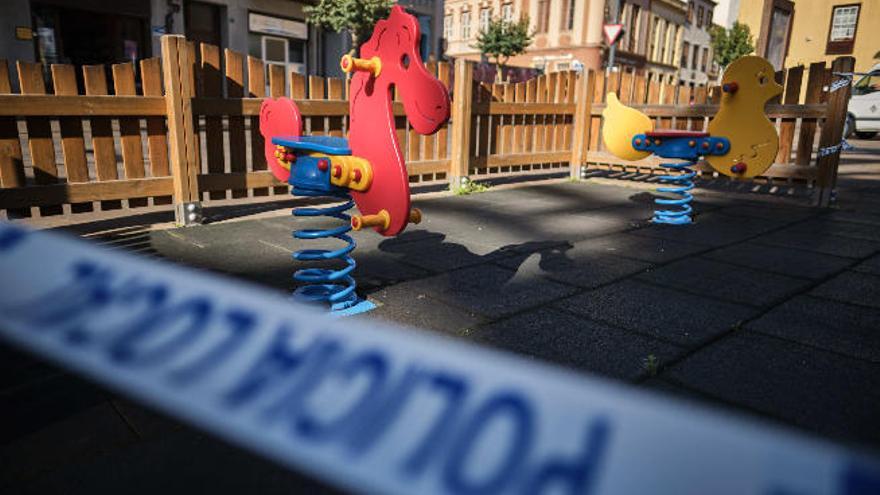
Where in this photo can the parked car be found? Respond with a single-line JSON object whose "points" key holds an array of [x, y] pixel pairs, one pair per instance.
{"points": [[863, 118]]}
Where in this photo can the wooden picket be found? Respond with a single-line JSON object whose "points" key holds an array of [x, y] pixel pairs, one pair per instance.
{"points": [[189, 131]]}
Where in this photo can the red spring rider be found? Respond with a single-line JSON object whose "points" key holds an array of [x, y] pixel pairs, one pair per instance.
{"points": [[367, 169]]}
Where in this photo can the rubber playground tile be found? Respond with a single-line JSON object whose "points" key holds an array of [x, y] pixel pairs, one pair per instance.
{"points": [[182, 462], [674, 316], [776, 259], [821, 243], [852, 287], [768, 211], [834, 326], [567, 340], [489, 290], [650, 249], [419, 309], [825, 227], [33, 406], [724, 281], [821, 391], [575, 265], [871, 265], [434, 251], [711, 229], [89, 432]]}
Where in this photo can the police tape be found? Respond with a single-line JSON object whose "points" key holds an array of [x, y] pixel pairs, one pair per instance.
{"points": [[374, 408]]}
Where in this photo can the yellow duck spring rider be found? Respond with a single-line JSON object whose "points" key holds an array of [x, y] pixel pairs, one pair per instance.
{"points": [[740, 141]]}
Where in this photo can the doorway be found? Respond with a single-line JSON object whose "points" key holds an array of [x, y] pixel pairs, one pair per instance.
{"points": [[202, 22]]}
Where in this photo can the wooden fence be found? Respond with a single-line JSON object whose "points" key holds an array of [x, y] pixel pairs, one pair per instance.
{"points": [[183, 129]]}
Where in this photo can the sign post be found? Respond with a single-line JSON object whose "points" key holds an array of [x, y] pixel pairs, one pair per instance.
{"points": [[612, 32]]}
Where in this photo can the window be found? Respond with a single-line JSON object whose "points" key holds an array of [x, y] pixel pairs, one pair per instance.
{"points": [[543, 16], [705, 62], [485, 17], [868, 84], [700, 12], [685, 51], [465, 25], [507, 12], [690, 14], [696, 53], [777, 42], [448, 27], [568, 15], [842, 32]]}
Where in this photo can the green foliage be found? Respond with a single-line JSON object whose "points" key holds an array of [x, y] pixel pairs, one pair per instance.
{"points": [[355, 16], [731, 44], [651, 364], [504, 39], [470, 187]]}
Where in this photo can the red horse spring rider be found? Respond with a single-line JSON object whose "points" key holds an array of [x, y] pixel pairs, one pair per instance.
{"points": [[367, 169]]}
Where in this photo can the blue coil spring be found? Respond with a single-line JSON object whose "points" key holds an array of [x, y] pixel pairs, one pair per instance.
{"points": [[335, 287], [680, 184]]}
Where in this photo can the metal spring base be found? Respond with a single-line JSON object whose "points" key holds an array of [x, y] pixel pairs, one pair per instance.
{"points": [[333, 287], [682, 183]]}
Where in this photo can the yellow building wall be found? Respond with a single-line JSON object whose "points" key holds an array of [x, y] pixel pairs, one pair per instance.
{"points": [[750, 12], [809, 35]]}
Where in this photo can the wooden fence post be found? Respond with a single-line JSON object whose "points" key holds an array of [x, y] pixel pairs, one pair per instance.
{"points": [[832, 131], [462, 104], [581, 128], [178, 97]]}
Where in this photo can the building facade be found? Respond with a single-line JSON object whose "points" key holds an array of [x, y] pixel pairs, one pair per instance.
{"points": [[697, 67], [100, 32], [665, 36], [726, 13], [799, 32], [568, 33]]}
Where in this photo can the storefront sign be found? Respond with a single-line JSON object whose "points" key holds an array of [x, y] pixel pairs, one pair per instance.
{"points": [[278, 26]]}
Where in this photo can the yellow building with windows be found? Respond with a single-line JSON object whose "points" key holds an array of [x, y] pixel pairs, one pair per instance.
{"points": [[799, 32]]}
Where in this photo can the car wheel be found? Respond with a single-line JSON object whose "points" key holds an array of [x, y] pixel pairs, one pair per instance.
{"points": [[865, 135], [849, 126]]}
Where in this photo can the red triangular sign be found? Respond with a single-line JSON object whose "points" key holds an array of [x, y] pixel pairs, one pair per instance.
{"points": [[612, 32]]}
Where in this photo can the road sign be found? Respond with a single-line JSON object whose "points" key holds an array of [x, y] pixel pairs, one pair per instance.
{"points": [[612, 32]]}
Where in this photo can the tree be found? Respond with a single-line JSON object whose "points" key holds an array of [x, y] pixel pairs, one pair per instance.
{"points": [[355, 16], [504, 39], [731, 44]]}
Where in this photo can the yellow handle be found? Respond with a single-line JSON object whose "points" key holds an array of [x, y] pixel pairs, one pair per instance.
{"points": [[372, 65], [381, 219]]}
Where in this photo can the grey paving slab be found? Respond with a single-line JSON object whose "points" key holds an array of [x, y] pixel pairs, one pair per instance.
{"points": [[490, 290], [712, 229], [88, 432], [649, 249], [575, 264], [830, 325], [567, 340], [420, 309], [725, 281], [826, 244], [672, 315], [794, 262], [821, 391], [852, 287]]}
